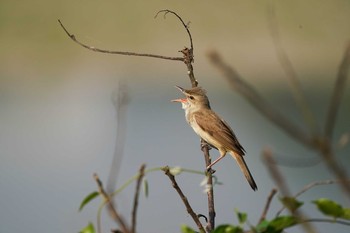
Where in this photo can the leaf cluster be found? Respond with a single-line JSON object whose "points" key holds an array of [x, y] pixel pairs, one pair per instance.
{"points": [[327, 207]]}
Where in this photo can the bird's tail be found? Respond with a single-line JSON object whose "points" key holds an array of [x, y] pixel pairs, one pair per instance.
{"points": [[244, 168]]}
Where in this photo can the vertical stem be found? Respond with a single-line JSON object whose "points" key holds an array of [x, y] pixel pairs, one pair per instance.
{"points": [[210, 192], [136, 198]]}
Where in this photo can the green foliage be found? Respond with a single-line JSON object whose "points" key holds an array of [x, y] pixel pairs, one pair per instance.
{"points": [[187, 229], [278, 224], [275, 225], [228, 229], [331, 208], [261, 227], [291, 203], [87, 199], [346, 214], [242, 217], [88, 229]]}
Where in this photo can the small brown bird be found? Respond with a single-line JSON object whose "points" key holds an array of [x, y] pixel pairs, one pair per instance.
{"points": [[212, 129]]}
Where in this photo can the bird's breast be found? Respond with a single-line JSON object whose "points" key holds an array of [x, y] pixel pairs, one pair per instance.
{"points": [[206, 136]]}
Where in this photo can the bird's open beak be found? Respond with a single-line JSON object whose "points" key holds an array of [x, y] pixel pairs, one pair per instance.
{"points": [[184, 100], [180, 100]]}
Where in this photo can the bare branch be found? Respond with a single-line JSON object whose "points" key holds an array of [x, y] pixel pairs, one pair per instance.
{"points": [[166, 11], [257, 101], [117, 52], [184, 199], [338, 92], [136, 198], [210, 193], [188, 59], [287, 66], [112, 210], [267, 205], [187, 52]]}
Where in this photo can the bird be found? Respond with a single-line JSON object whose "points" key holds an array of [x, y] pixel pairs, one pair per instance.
{"points": [[213, 129]]}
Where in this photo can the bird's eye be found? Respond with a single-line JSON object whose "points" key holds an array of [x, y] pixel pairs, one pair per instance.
{"points": [[191, 97]]}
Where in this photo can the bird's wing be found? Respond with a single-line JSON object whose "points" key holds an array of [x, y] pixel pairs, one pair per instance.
{"points": [[211, 123]]}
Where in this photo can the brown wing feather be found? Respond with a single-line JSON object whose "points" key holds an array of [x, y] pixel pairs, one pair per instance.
{"points": [[210, 122]]}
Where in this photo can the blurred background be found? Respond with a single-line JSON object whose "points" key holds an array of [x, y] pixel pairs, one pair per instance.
{"points": [[58, 124]]}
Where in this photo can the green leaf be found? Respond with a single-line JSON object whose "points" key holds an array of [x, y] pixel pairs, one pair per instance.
{"points": [[346, 214], [145, 187], [228, 229], [262, 226], [88, 229], [291, 203], [280, 223], [242, 217], [187, 229], [87, 199], [329, 207]]}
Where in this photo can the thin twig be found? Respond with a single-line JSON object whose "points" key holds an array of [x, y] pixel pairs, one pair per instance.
{"points": [[308, 187], [187, 52], [166, 11], [288, 68], [338, 92], [136, 198], [257, 101], [112, 211], [347, 223], [117, 52], [267, 205], [316, 183], [184, 199]]}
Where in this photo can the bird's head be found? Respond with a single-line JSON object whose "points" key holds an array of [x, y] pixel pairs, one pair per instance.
{"points": [[195, 98]]}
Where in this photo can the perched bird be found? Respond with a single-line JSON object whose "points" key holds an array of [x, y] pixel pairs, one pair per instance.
{"points": [[212, 129]]}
